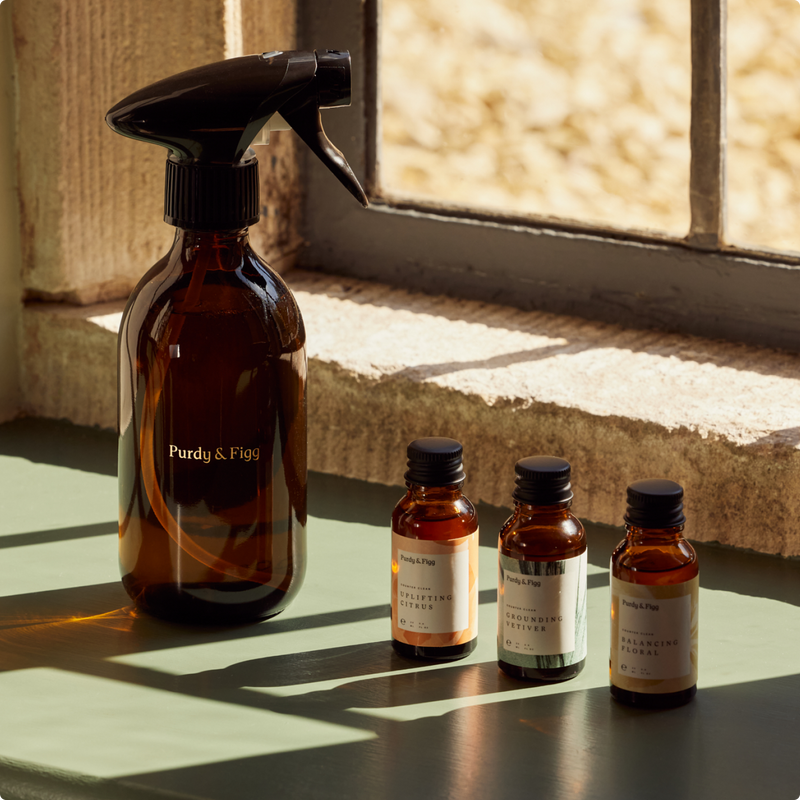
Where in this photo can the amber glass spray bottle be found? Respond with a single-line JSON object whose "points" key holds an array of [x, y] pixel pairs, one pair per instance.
{"points": [[541, 600], [654, 593], [434, 556], [212, 363]]}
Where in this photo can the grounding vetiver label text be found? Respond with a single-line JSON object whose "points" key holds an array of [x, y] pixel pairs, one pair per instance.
{"points": [[542, 612], [233, 453]]}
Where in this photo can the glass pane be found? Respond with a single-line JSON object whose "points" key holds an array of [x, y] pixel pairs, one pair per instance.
{"points": [[573, 109], [764, 123]]}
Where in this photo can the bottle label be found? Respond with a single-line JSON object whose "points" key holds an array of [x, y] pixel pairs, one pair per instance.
{"points": [[654, 636], [434, 590], [541, 607]]}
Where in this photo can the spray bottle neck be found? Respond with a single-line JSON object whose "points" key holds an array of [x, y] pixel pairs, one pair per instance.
{"points": [[200, 252], [192, 238], [212, 197]]}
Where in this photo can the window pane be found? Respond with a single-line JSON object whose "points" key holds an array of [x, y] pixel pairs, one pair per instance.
{"points": [[573, 109], [764, 123]]}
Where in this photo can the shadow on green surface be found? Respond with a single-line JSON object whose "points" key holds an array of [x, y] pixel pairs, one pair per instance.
{"points": [[58, 534], [59, 626], [332, 497], [372, 661], [60, 443], [736, 742]]}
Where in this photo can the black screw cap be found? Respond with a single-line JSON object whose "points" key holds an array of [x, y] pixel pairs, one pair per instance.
{"points": [[543, 481], [656, 503], [435, 461]]}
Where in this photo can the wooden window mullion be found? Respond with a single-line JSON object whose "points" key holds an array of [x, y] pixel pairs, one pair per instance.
{"points": [[707, 181]]}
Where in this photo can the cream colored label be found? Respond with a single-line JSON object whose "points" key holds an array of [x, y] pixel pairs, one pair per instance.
{"points": [[538, 611], [654, 636], [434, 590]]}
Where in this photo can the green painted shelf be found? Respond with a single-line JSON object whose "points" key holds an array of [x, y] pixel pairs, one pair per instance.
{"points": [[97, 701]]}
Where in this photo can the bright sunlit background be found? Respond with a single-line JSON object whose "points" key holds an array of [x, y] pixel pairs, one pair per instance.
{"points": [[582, 111]]}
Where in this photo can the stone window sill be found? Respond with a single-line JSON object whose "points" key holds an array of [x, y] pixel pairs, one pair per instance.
{"points": [[387, 366]]}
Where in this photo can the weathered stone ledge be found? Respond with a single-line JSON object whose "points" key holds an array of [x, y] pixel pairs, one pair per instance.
{"points": [[387, 366]]}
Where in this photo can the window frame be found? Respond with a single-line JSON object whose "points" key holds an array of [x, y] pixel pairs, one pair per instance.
{"points": [[698, 285]]}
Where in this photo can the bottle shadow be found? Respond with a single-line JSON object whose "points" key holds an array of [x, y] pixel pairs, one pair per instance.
{"points": [[571, 744], [60, 443], [54, 628]]}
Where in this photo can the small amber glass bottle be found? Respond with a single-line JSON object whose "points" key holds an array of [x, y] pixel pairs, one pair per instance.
{"points": [[434, 557], [541, 626], [654, 592]]}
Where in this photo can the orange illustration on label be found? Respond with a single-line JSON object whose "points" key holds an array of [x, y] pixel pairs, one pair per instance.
{"points": [[434, 590]]}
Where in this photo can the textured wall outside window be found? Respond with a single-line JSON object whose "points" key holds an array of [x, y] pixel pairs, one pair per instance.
{"points": [[10, 282], [91, 201]]}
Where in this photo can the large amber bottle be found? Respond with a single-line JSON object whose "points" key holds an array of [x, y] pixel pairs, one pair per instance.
{"points": [[212, 363], [212, 446]]}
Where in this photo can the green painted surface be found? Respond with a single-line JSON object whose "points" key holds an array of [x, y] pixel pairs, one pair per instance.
{"points": [[99, 701]]}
